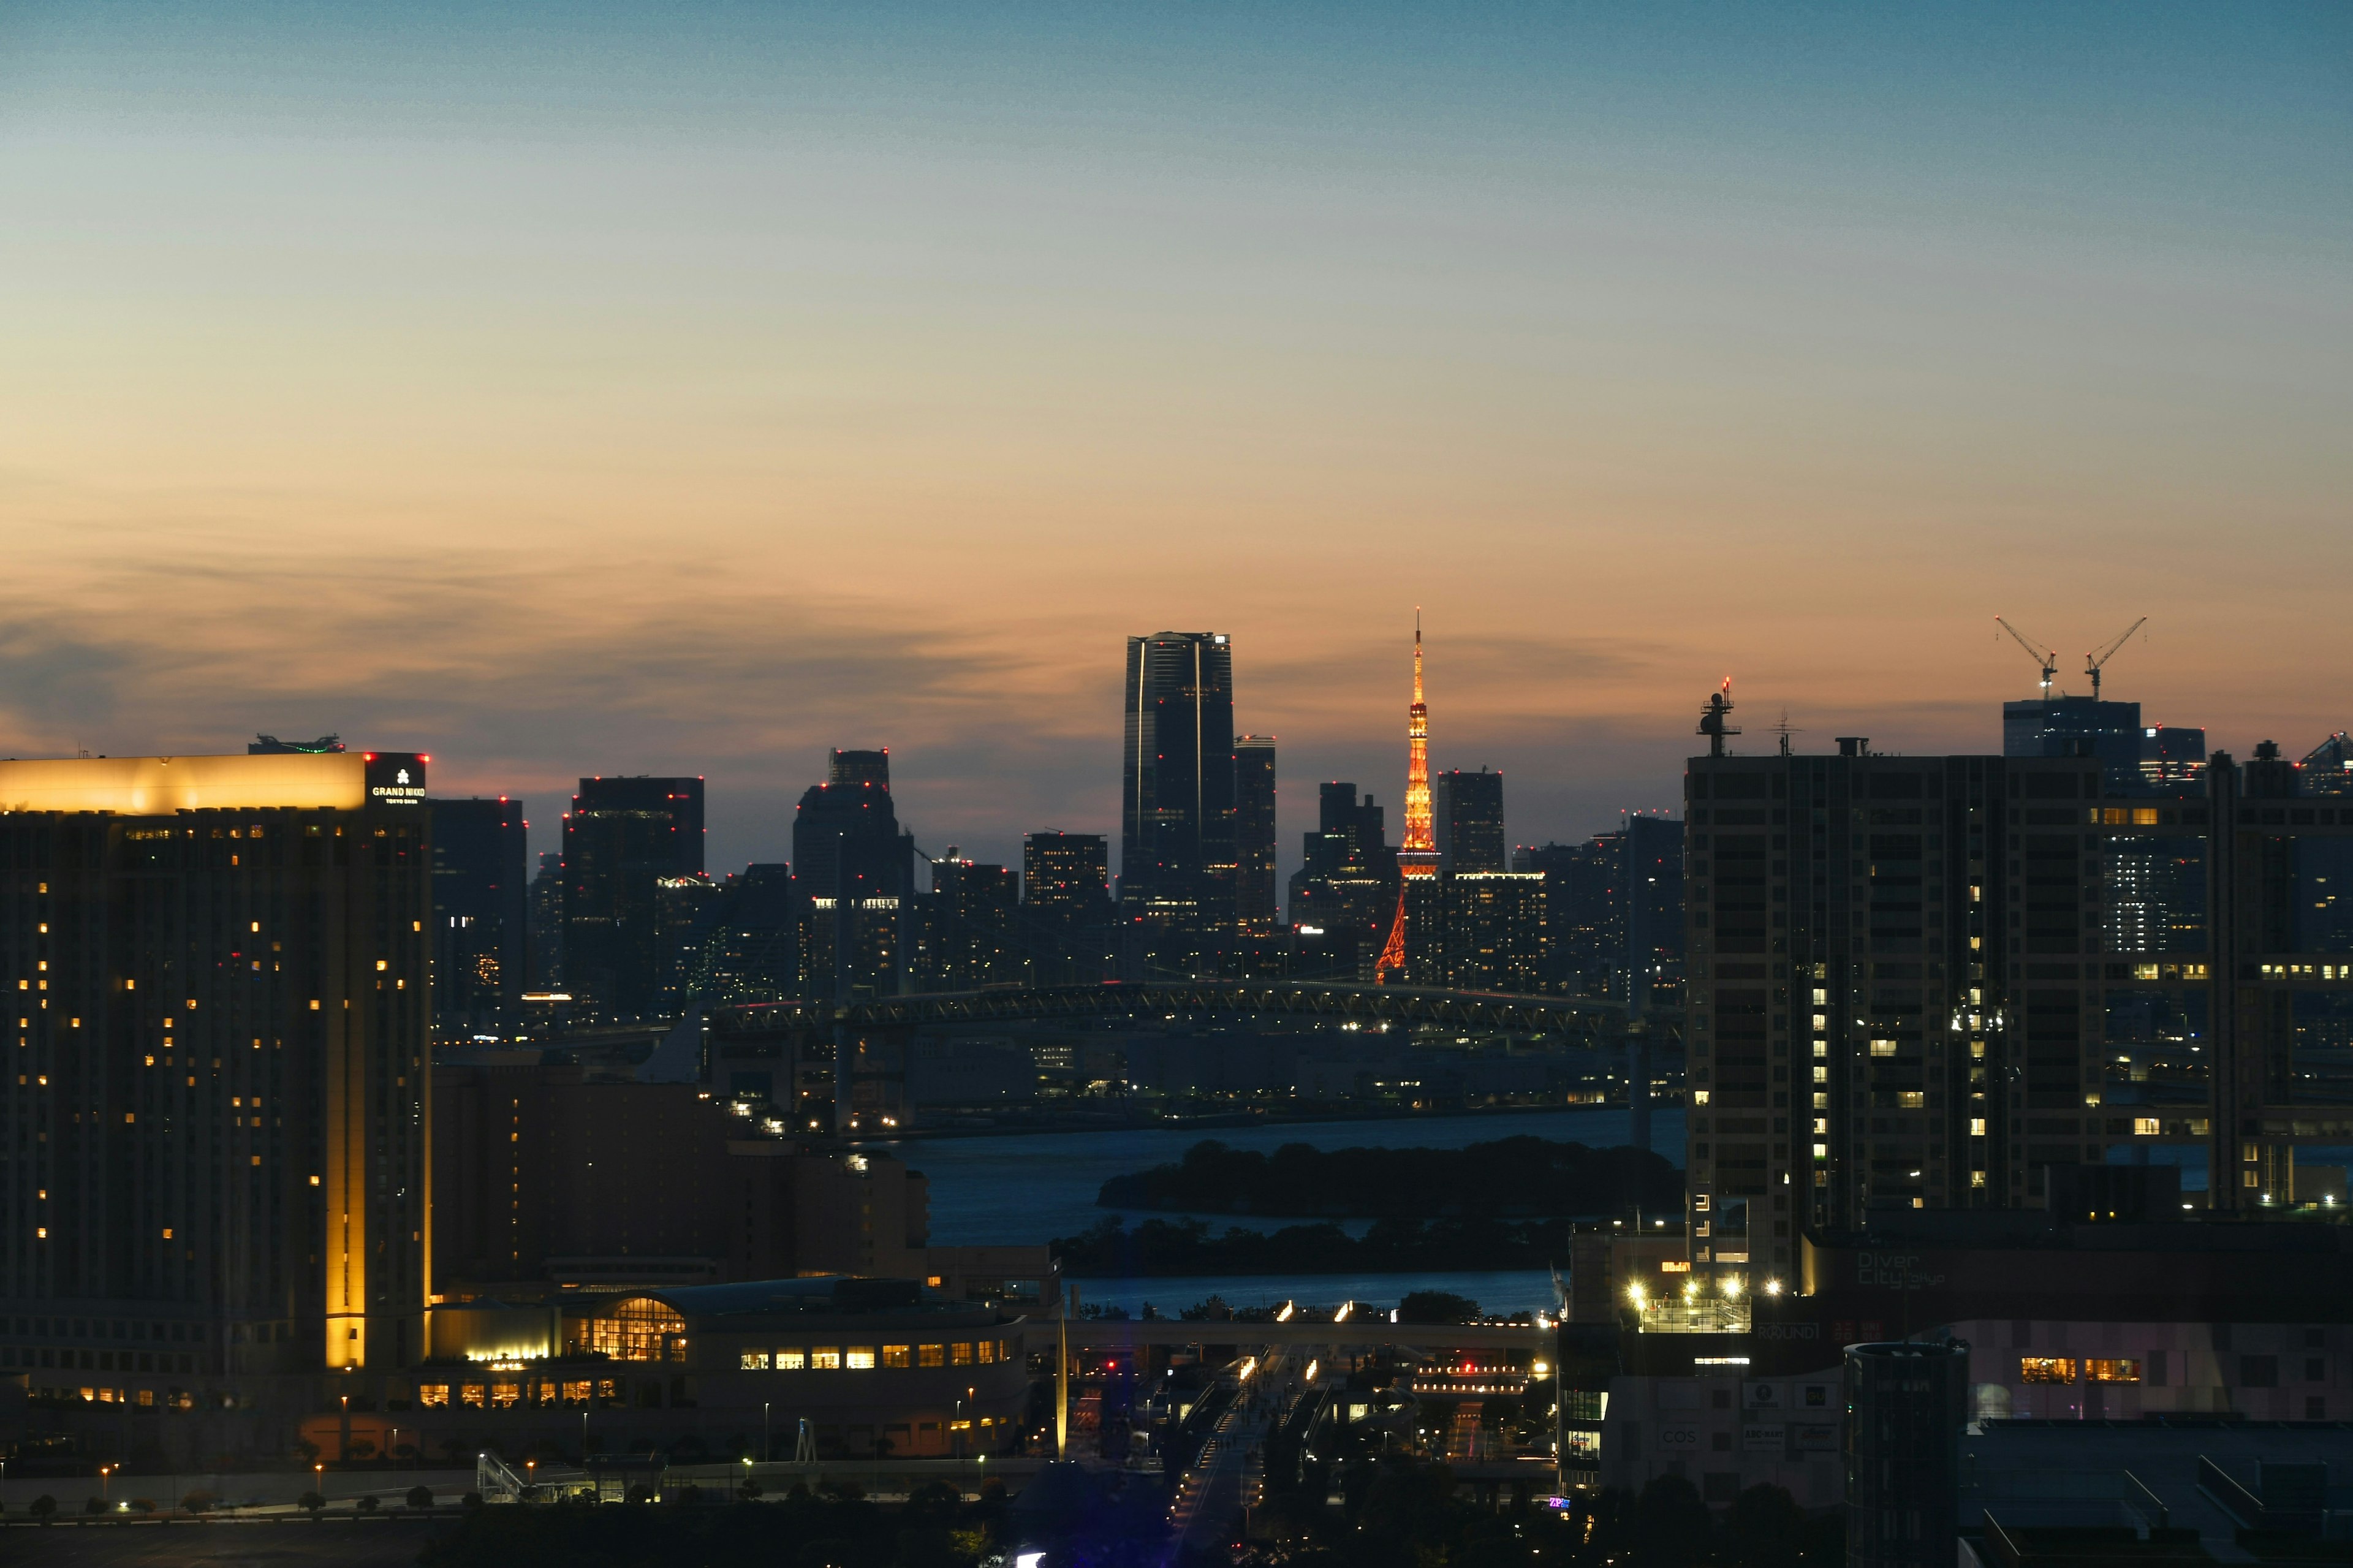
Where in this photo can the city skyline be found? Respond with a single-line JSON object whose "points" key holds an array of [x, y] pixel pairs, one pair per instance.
{"points": [[610, 391]]}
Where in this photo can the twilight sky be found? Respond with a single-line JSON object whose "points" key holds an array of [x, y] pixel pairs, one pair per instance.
{"points": [[688, 388]]}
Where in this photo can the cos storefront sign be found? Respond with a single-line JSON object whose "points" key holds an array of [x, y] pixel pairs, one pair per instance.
{"points": [[396, 778], [1679, 1439]]}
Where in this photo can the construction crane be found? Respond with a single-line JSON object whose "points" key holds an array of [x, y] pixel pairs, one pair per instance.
{"points": [[2042, 656], [2093, 661]]}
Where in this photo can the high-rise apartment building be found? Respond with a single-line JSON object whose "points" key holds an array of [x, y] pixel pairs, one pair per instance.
{"points": [[621, 838], [1254, 905], [217, 1162], [1177, 864], [1926, 981], [1481, 931], [481, 915], [1066, 878], [1066, 909], [853, 881], [1468, 812]]}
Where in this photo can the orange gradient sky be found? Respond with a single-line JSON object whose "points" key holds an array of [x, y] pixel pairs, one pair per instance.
{"points": [[566, 399]]}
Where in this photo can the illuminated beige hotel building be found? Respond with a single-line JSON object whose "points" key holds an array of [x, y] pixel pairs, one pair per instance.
{"points": [[214, 1132]]}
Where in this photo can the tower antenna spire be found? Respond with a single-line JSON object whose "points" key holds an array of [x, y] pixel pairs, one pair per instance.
{"points": [[1418, 855]]}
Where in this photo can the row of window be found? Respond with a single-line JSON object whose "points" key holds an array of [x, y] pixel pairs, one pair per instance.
{"points": [[2255, 1371], [508, 1395], [859, 1358], [95, 1360]]}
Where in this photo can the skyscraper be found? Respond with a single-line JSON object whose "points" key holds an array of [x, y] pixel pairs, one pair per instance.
{"points": [[1254, 833], [967, 930], [1176, 822], [621, 838], [1418, 855], [218, 1159], [853, 878], [1469, 811], [1346, 886], [481, 914]]}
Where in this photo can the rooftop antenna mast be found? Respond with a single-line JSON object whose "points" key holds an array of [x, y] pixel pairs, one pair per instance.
{"points": [[1712, 718], [2042, 656], [2093, 661], [1785, 729]]}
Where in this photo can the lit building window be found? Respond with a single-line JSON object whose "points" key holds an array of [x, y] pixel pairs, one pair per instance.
{"points": [[2112, 1371], [2046, 1369], [754, 1361], [859, 1358], [433, 1396], [897, 1355], [824, 1358], [791, 1359], [930, 1355], [960, 1354], [638, 1329]]}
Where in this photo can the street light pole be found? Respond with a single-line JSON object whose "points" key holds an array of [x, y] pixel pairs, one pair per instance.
{"points": [[767, 1443]]}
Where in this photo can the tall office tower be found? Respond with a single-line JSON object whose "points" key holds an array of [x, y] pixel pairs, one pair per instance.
{"points": [[688, 912], [1585, 932], [967, 934], [1254, 833], [754, 951], [853, 881], [1347, 882], [1469, 813], [1418, 855], [481, 915], [621, 838], [544, 960], [1651, 877], [1176, 823], [1614, 911], [222, 974], [1918, 981]]}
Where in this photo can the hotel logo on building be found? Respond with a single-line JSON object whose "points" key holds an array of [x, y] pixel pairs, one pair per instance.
{"points": [[397, 778]]}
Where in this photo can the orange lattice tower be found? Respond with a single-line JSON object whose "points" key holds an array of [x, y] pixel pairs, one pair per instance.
{"points": [[1418, 856]]}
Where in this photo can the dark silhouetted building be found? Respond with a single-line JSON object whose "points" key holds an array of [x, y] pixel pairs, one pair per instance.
{"points": [[853, 881], [1905, 1403], [968, 937], [2327, 769], [621, 840], [1346, 886], [1176, 862], [1613, 911], [754, 953], [1469, 814], [1066, 922], [2077, 726], [481, 915], [223, 971], [544, 959], [1254, 835]]}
